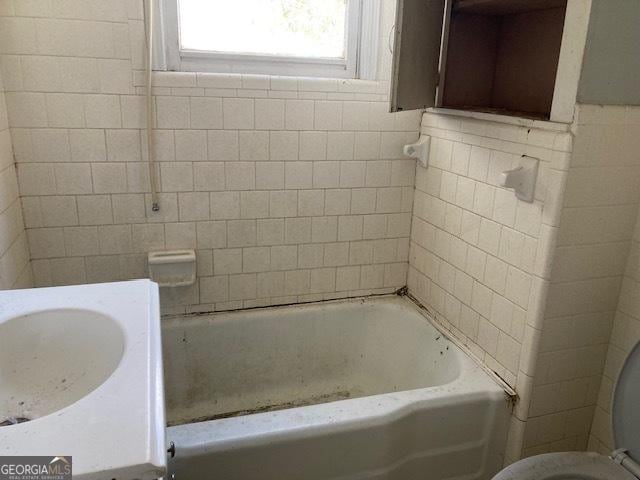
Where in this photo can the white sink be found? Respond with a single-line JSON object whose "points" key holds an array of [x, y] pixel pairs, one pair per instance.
{"points": [[40, 360], [81, 375]]}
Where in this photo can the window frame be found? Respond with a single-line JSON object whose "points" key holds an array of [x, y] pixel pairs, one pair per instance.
{"points": [[362, 38]]}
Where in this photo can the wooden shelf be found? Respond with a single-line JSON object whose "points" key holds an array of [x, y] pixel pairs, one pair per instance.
{"points": [[502, 112], [505, 7]]}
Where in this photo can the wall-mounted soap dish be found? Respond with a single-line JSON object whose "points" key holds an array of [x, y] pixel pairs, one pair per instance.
{"points": [[175, 268]]}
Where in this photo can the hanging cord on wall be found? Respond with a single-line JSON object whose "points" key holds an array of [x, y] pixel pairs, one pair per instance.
{"points": [[153, 175]]}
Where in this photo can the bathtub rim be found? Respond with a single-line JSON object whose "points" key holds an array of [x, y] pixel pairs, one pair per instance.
{"points": [[277, 429], [401, 295], [311, 420], [424, 311]]}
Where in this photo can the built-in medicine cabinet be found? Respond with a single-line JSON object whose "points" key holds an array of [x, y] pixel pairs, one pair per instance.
{"points": [[493, 56]]}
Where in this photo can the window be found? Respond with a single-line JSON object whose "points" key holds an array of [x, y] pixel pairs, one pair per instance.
{"points": [[323, 38]]}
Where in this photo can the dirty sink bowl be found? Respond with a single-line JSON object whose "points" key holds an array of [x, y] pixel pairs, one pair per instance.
{"points": [[51, 359], [81, 376]]}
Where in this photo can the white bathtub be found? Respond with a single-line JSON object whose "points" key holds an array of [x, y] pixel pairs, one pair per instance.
{"points": [[358, 389]]}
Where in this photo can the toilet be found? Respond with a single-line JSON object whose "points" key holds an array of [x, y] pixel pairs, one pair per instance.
{"points": [[624, 462]]}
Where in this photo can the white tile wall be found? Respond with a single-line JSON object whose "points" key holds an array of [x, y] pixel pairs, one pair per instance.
{"points": [[592, 246], [294, 190], [532, 289], [289, 189], [616, 148], [479, 256], [473, 244], [15, 269]]}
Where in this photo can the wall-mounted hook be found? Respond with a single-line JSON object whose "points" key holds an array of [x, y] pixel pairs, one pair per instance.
{"points": [[172, 449], [419, 150], [522, 179], [391, 40]]}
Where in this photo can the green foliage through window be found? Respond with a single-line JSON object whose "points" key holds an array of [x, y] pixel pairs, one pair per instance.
{"points": [[308, 28]]}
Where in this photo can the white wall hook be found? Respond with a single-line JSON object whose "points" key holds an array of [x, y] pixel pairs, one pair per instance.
{"points": [[522, 179], [419, 150]]}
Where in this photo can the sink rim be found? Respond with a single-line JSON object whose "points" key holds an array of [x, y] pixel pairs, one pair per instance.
{"points": [[95, 423], [99, 316]]}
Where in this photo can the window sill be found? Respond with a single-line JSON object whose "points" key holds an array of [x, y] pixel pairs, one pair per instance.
{"points": [[263, 82], [505, 119]]}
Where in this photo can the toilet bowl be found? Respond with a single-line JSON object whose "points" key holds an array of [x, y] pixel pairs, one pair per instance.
{"points": [[623, 464], [566, 466]]}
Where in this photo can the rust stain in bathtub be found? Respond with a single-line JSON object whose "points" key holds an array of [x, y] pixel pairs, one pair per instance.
{"points": [[326, 398], [195, 388]]}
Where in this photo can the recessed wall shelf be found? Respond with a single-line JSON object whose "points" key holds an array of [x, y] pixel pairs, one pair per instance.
{"points": [[506, 57]]}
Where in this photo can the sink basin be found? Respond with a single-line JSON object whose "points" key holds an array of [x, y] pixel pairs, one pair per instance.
{"points": [[40, 367], [81, 376]]}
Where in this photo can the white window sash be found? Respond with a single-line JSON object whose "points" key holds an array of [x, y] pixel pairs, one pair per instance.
{"points": [[361, 52]]}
